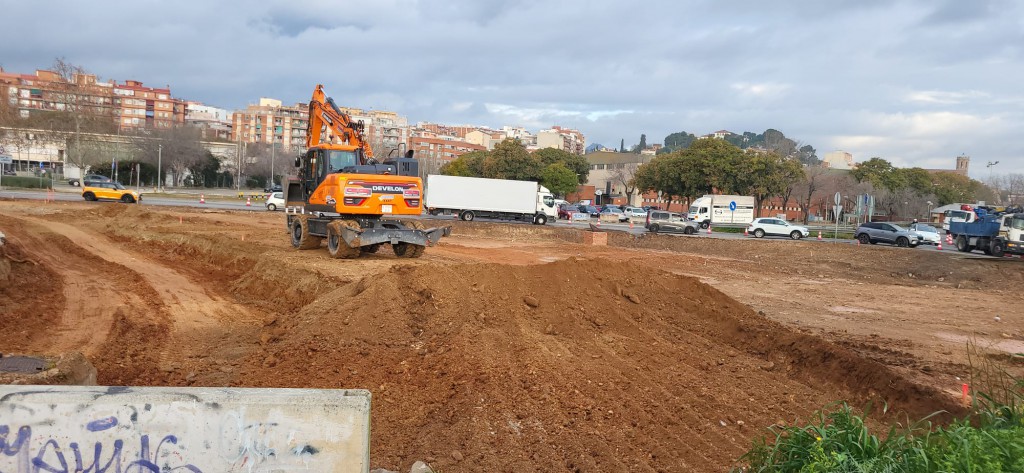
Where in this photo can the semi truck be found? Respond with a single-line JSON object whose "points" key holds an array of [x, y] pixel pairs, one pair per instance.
{"points": [[994, 233], [716, 209], [472, 197]]}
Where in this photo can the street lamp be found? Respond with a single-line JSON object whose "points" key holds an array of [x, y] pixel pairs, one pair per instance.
{"points": [[159, 165], [989, 166]]}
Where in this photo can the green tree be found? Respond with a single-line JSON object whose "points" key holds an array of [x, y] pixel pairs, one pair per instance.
{"points": [[763, 177], [643, 143], [559, 179], [876, 171], [510, 160], [468, 165], [578, 164], [721, 165], [622, 145], [677, 141]]}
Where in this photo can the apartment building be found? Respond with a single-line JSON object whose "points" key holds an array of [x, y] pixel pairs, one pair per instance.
{"points": [[384, 130], [272, 123], [564, 139], [130, 104], [214, 123]]}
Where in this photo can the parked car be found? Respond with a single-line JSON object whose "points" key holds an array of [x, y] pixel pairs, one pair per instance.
{"points": [[611, 206], [275, 201], [664, 221], [761, 227], [272, 189], [89, 180], [929, 234], [590, 209], [612, 212], [110, 191], [566, 210], [881, 232], [635, 212]]}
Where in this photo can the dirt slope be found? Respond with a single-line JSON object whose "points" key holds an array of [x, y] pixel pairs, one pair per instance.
{"points": [[626, 371]]}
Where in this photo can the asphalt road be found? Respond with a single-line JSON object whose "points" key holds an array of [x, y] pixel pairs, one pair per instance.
{"points": [[258, 206]]}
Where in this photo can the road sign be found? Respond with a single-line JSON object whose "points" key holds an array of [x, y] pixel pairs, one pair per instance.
{"points": [[732, 206], [838, 199], [599, 192], [6, 160], [837, 209]]}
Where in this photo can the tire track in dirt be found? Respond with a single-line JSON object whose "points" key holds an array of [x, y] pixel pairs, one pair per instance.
{"points": [[199, 320]]}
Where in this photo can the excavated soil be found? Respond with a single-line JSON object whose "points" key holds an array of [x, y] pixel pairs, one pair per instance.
{"points": [[508, 347]]}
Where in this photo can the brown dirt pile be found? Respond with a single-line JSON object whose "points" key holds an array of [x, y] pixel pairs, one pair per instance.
{"points": [[563, 367], [30, 293]]}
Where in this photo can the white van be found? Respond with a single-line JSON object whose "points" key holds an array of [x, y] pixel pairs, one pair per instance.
{"points": [[714, 209]]}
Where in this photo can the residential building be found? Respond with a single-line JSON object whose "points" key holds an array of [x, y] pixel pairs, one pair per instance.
{"points": [[519, 133], [130, 104], [485, 137], [839, 160], [384, 130], [562, 138], [213, 122], [271, 122]]}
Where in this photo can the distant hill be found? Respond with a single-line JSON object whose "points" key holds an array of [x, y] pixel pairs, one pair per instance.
{"points": [[771, 139]]}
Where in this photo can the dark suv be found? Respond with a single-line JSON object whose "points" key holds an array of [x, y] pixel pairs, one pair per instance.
{"points": [[875, 232]]}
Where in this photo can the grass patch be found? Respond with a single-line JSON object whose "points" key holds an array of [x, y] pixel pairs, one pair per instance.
{"points": [[991, 439]]}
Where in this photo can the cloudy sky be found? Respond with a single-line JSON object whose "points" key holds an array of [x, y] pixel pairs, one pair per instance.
{"points": [[915, 82]]}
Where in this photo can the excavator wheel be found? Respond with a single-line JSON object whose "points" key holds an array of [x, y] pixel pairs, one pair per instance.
{"points": [[408, 250], [301, 239], [336, 245]]}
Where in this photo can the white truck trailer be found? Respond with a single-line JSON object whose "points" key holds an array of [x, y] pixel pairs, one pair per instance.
{"points": [[472, 197], [716, 209]]}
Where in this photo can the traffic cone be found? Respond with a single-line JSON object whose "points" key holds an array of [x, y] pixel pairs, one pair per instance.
{"points": [[709, 229], [939, 246], [248, 201], [630, 224], [202, 198], [745, 232], [598, 221], [819, 235]]}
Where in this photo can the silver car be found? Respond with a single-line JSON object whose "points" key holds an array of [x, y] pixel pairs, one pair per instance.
{"points": [[881, 232], [664, 221], [929, 234]]}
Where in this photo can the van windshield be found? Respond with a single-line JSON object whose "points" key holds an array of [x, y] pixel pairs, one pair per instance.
{"points": [[549, 201], [694, 209], [1017, 223]]}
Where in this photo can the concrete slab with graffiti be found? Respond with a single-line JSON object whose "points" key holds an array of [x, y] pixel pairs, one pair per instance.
{"points": [[79, 428]]}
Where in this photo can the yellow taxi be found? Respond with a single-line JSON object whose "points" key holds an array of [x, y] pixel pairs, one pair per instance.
{"points": [[110, 191]]}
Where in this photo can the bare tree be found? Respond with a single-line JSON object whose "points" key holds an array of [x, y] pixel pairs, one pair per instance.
{"points": [[626, 177], [177, 149], [807, 189]]}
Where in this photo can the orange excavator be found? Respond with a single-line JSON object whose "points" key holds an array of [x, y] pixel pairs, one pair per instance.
{"points": [[344, 195]]}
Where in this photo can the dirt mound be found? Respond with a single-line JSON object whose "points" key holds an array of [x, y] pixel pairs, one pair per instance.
{"points": [[30, 293], [578, 365]]}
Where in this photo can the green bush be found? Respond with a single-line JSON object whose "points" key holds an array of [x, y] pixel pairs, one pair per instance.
{"points": [[26, 182], [990, 440]]}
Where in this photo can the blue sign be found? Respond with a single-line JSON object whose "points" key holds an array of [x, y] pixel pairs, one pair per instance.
{"points": [[732, 206], [40, 164]]}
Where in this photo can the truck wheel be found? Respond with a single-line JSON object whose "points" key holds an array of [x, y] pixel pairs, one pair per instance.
{"points": [[997, 249], [336, 245], [705, 225], [961, 244], [540, 219], [902, 242], [301, 239], [467, 216]]}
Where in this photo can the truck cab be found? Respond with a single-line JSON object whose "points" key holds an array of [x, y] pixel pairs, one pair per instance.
{"points": [[1012, 230]]}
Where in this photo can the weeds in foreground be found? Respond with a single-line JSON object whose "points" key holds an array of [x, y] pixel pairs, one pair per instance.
{"points": [[991, 439]]}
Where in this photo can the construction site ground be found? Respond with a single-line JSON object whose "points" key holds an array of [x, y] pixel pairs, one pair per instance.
{"points": [[511, 347]]}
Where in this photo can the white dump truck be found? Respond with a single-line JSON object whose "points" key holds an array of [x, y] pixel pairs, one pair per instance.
{"points": [[717, 209], [472, 197]]}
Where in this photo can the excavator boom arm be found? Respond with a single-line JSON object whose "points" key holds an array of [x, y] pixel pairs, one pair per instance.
{"points": [[323, 112]]}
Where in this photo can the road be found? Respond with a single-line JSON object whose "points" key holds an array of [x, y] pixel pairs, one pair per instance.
{"points": [[221, 204]]}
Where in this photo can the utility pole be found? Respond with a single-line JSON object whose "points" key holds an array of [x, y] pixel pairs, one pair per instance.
{"points": [[989, 166], [159, 165]]}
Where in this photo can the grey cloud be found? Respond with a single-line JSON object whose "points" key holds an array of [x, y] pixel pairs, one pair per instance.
{"points": [[822, 72]]}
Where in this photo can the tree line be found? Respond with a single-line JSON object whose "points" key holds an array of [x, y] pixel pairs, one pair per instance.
{"points": [[560, 171]]}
